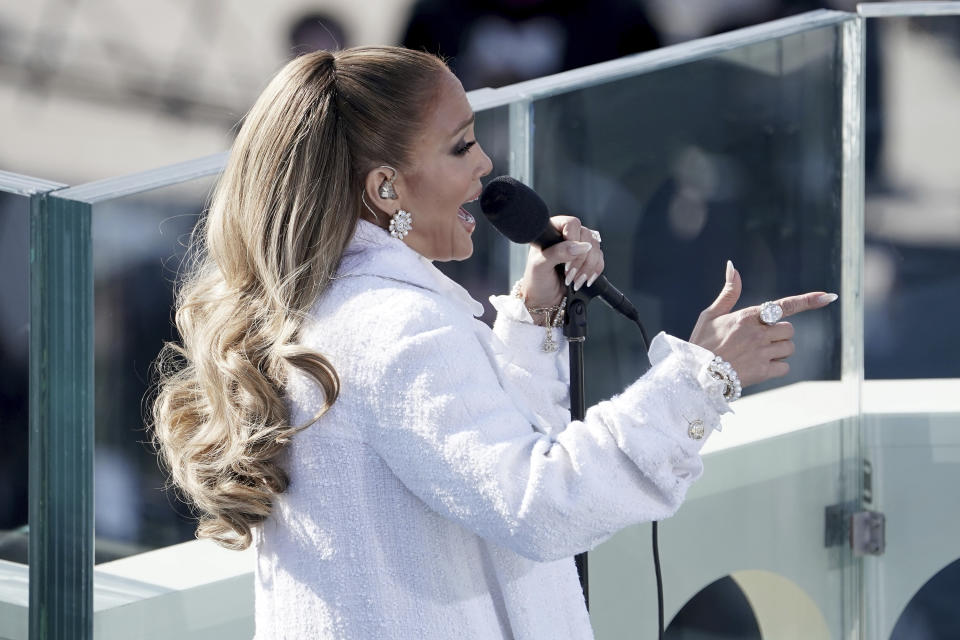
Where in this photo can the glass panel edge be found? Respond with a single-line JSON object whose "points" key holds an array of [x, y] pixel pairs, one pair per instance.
{"points": [[120, 186], [852, 202], [60, 504], [24, 185], [852, 207], [521, 168], [907, 9], [656, 59]]}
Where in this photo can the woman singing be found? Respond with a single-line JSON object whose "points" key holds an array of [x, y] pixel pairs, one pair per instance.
{"points": [[403, 470]]}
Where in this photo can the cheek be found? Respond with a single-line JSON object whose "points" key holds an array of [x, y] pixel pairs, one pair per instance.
{"points": [[447, 179], [440, 188], [433, 185], [444, 193]]}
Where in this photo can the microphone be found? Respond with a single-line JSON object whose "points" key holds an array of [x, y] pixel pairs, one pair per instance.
{"points": [[521, 215]]}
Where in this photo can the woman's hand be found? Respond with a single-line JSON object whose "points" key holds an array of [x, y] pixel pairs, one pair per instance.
{"points": [[580, 253], [756, 351]]}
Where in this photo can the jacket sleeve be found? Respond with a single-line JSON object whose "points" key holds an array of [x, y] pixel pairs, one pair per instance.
{"points": [[451, 433], [543, 378]]}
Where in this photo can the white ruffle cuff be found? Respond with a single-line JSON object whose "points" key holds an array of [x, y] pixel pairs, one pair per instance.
{"points": [[695, 359]]}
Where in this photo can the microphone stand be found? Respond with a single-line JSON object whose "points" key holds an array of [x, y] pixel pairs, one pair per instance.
{"points": [[575, 330]]}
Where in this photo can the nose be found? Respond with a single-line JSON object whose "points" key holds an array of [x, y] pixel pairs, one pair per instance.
{"points": [[486, 164]]}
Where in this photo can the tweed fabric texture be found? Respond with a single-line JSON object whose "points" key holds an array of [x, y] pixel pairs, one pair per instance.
{"points": [[446, 492]]}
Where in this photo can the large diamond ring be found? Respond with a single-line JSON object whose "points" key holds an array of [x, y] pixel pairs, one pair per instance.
{"points": [[595, 234], [770, 313]]}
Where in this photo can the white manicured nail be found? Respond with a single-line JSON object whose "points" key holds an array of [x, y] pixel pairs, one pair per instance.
{"points": [[566, 267], [827, 298], [592, 279], [580, 248], [580, 281], [570, 275]]}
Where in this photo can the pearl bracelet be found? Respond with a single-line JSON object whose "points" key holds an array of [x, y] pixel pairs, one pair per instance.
{"points": [[721, 370]]}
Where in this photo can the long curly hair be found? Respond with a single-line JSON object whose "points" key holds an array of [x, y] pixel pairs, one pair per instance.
{"points": [[278, 223]]}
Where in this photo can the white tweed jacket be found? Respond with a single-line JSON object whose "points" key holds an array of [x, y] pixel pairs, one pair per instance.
{"points": [[445, 493]]}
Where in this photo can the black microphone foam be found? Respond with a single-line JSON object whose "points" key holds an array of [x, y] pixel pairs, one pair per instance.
{"points": [[514, 209], [522, 216]]}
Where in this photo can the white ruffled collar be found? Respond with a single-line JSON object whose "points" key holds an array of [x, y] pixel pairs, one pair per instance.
{"points": [[374, 252]]}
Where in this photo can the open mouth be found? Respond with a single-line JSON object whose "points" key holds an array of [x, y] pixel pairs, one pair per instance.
{"points": [[468, 220], [466, 217]]}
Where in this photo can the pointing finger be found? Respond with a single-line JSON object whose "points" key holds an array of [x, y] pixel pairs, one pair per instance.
{"points": [[805, 302]]}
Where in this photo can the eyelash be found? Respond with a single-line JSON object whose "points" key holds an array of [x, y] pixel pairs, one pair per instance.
{"points": [[462, 150]]}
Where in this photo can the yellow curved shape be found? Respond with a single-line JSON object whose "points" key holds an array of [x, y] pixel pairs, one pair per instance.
{"points": [[784, 611]]}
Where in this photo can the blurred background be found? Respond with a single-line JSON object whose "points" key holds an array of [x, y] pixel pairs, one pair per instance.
{"points": [[91, 89]]}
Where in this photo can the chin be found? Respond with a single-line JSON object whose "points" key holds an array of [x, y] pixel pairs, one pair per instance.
{"points": [[458, 254], [465, 251]]}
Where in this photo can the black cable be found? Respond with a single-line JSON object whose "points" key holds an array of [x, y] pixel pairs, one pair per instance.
{"points": [[656, 568], [582, 558], [656, 546], [643, 334]]}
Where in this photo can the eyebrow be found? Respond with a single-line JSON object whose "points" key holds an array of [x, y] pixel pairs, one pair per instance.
{"points": [[464, 124]]}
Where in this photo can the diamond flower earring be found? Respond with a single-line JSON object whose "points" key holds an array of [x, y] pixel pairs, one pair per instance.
{"points": [[400, 224]]}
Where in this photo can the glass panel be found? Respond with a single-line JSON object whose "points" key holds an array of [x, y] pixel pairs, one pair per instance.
{"points": [[14, 411], [139, 243], [735, 156], [912, 260], [911, 395], [21, 210], [14, 374], [486, 271]]}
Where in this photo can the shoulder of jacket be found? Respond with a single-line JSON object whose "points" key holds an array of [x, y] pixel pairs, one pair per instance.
{"points": [[377, 292], [389, 308]]}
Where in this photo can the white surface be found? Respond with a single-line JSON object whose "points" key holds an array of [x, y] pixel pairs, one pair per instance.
{"points": [[181, 566], [782, 411], [809, 404], [911, 396]]}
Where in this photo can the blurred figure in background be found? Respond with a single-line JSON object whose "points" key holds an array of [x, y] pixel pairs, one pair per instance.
{"points": [[492, 43]]}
